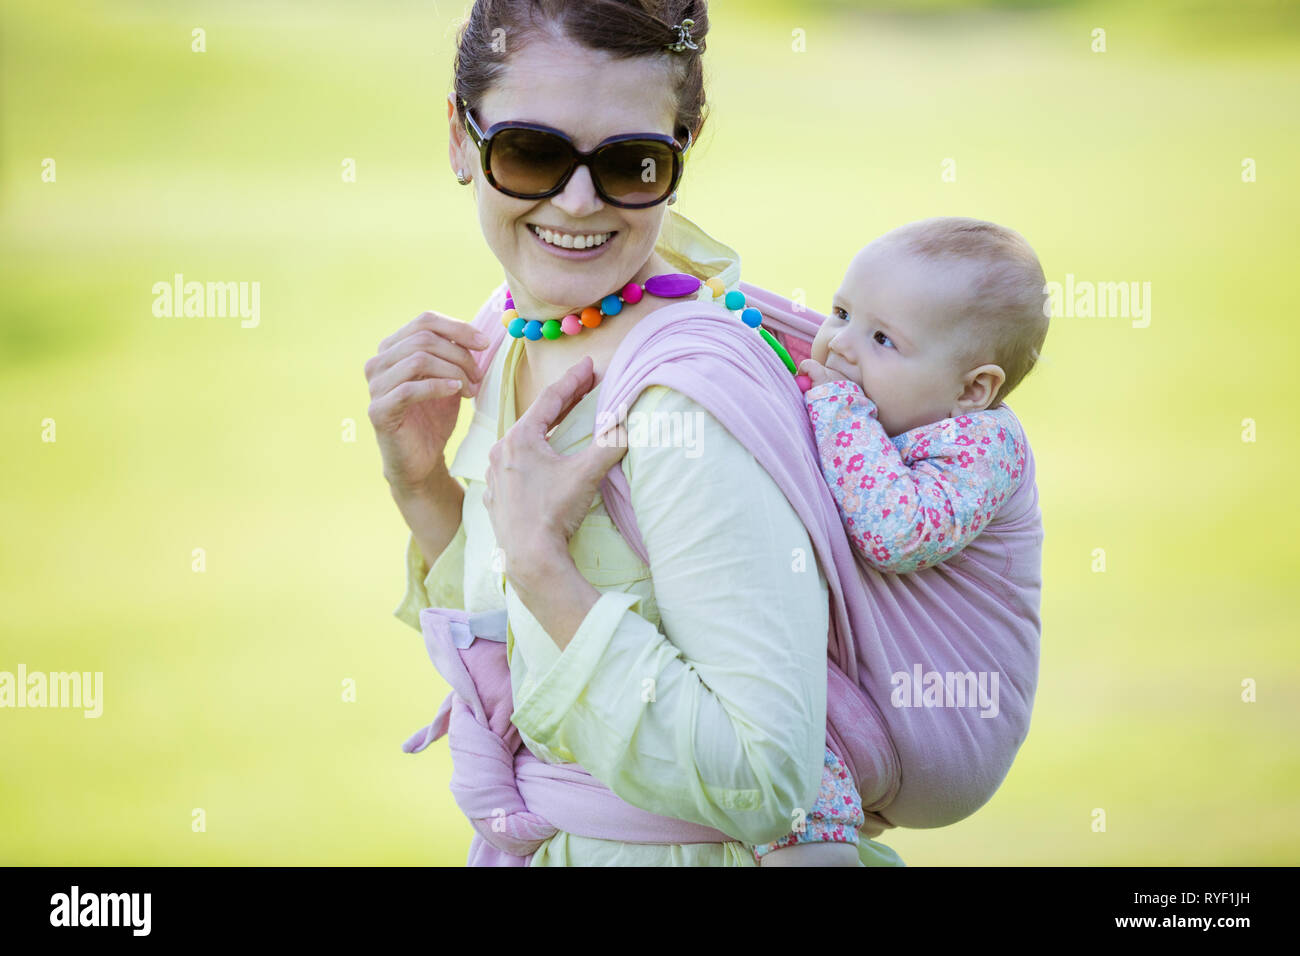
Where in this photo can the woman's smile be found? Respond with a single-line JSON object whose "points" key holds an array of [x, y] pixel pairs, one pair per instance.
{"points": [[571, 245]]}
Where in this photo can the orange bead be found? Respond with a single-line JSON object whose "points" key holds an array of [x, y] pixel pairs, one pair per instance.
{"points": [[508, 316], [716, 285], [590, 317]]}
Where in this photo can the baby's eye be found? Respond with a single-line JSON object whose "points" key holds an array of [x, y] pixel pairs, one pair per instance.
{"points": [[884, 339], [839, 313]]}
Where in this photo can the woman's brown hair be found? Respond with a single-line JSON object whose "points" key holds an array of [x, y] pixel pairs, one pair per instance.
{"points": [[621, 28]]}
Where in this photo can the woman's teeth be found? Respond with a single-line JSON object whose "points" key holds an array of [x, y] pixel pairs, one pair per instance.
{"points": [[566, 240]]}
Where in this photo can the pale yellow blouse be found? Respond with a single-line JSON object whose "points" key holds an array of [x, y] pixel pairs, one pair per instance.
{"points": [[730, 628]]}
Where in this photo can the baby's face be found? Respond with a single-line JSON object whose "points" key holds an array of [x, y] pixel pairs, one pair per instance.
{"points": [[893, 330]]}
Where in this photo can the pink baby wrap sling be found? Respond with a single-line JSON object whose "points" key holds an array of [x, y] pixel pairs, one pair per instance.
{"points": [[917, 762]]}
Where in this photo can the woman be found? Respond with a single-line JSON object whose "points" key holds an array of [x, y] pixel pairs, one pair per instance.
{"points": [[694, 687]]}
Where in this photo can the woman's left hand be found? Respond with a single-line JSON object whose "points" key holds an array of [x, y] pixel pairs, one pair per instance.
{"points": [[537, 498]]}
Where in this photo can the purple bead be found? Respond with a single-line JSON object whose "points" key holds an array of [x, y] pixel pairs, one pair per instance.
{"points": [[672, 285]]}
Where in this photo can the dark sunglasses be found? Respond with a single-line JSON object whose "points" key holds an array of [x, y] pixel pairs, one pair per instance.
{"points": [[529, 161]]}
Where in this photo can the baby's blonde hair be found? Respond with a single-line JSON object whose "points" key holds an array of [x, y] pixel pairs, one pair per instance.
{"points": [[1009, 300]]}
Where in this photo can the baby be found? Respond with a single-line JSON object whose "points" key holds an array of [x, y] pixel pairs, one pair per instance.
{"points": [[933, 326]]}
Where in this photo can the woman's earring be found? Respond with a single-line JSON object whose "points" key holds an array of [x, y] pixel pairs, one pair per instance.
{"points": [[673, 198], [461, 177]]}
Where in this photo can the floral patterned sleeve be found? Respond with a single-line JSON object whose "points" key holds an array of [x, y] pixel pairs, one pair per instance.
{"points": [[914, 500]]}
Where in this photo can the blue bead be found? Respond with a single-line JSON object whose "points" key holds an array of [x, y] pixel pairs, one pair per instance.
{"points": [[752, 317], [533, 330], [516, 327], [734, 300], [611, 305]]}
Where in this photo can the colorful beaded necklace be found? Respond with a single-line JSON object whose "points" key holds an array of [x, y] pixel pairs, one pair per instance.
{"points": [[671, 285]]}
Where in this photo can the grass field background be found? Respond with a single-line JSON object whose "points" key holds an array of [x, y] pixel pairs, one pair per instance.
{"points": [[222, 690]]}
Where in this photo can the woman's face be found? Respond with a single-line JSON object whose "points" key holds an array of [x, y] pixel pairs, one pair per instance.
{"points": [[590, 96]]}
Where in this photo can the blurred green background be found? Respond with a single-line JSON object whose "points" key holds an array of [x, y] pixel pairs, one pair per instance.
{"points": [[223, 690]]}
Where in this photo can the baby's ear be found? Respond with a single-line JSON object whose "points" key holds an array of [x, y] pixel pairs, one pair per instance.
{"points": [[979, 387]]}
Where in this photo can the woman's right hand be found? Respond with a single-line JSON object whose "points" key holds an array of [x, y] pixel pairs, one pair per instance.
{"points": [[417, 379]]}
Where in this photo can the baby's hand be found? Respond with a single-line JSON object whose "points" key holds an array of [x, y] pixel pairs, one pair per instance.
{"points": [[816, 373]]}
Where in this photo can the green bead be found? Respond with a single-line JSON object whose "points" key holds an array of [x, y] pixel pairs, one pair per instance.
{"points": [[551, 329], [735, 299], [780, 350]]}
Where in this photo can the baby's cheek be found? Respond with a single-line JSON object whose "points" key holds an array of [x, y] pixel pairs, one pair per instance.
{"points": [[819, 350], [885, 416]]}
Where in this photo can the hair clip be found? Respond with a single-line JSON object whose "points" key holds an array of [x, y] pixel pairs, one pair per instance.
{"points": [[683, 41]]}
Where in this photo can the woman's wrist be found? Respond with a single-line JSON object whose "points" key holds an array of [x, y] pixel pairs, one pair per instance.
{"points": [[548, 582], [432, 511], [530, 566], [431, 488]]}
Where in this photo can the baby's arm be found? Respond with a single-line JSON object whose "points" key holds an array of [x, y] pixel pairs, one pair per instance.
{"points": [[915, 508], [828, 834], [813, 854]]}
